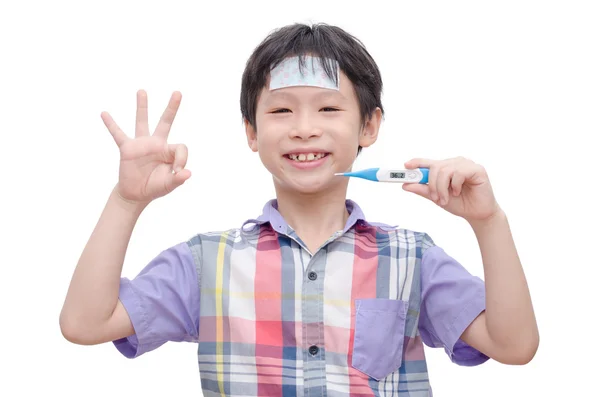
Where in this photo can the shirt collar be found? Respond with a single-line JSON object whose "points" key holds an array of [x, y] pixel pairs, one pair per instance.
{"points": [[271, 215]]}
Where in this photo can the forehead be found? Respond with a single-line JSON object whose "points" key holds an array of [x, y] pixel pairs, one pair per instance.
{"points": [[289, 81], [305, 71]]}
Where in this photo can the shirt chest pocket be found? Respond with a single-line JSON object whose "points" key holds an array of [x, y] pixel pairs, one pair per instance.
{"points": [[379, 336]]}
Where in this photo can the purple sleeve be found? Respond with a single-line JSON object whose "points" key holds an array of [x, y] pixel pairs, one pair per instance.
{"points": [[451, 298], [163, 302]]}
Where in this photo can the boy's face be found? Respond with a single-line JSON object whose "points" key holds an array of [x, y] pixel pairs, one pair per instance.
{"points": [[306, 134]]}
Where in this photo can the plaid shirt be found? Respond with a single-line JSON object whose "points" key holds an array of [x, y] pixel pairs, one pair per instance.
{"points": [[272, 319]]}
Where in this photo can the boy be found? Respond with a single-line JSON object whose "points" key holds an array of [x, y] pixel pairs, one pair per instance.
{"points": [[310, 298]]}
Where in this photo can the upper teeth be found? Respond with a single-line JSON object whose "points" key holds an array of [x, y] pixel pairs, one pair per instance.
{"points": [[306, 156]]}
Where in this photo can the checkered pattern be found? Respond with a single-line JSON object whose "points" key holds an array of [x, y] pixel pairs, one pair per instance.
{"points": [[260, 312]]}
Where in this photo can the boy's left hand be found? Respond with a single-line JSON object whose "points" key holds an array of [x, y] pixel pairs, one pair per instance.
{"points": [[458, 185]]}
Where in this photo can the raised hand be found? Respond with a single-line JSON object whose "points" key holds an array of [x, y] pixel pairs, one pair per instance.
{"points": [[458, 185], [149, 167]]}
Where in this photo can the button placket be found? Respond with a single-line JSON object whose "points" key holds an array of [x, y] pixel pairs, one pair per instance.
{"points": [[314, 361]]}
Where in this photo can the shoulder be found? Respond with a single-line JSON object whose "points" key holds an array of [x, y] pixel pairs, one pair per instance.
{"points": [[214, 237], [211, 242], [420, 240]]}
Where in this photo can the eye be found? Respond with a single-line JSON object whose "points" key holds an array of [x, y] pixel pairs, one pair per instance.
{"points": [[281, 111], [330, 109]]}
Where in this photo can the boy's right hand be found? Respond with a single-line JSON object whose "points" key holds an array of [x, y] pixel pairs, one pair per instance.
{"points": [[150, 167]]}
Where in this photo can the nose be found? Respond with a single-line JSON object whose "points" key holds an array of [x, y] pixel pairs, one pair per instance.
{"points": [[305, 129]]}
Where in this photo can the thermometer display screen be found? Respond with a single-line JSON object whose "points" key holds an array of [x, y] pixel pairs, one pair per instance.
{"points": [[397, 175]]}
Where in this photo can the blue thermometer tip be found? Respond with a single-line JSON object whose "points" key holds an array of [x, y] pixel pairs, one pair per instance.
{"points": [[369, 174]]}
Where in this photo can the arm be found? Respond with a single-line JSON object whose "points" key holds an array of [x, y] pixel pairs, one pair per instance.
{"points": [[92, 312], [507, 329], [149, 168]]}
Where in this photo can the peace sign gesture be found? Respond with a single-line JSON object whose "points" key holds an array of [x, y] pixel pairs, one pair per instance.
{"points": [[149, 167]]}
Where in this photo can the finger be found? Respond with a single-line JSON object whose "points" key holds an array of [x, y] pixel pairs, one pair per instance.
{"points": [[418, 189], [166, 120], [181, 156], [117, 134], [178, 154], [141, 115], [419, 163], [433, 190], [443, 184], [457, 183]]}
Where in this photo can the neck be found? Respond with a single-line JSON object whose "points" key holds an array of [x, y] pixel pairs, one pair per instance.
{"points": [[317, 215]]}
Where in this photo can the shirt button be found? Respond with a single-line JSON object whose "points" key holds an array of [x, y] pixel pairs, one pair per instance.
{"points": [[313, 350], [312, 276]]}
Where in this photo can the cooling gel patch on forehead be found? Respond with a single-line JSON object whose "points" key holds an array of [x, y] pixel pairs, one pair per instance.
{"points": [[291, 73]]}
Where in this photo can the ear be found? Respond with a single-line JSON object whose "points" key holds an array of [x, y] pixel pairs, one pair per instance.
{"points": [[251, 136], [370, 129]]}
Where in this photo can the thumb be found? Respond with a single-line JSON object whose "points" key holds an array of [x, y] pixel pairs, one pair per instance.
{"points": [[176, 179], [417, 188]]}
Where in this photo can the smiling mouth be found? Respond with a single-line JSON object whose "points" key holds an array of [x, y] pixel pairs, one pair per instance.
{"points": [[306, 157]]}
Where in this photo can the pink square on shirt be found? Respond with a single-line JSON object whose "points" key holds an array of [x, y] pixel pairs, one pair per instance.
{"points": [[337, 339], [208, 329], [242, 330], [268, 305]]}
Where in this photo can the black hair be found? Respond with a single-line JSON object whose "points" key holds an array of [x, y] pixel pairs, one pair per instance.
{"points": [[320, 40]]}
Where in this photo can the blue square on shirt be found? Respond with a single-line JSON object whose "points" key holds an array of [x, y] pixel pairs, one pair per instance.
{"points": [[289, 353]]}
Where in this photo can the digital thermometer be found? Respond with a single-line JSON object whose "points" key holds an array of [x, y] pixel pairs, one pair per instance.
{"points": [[418, 175]]}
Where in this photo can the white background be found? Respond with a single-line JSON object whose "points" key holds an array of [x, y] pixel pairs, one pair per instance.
{"points": [[513, 85]]}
